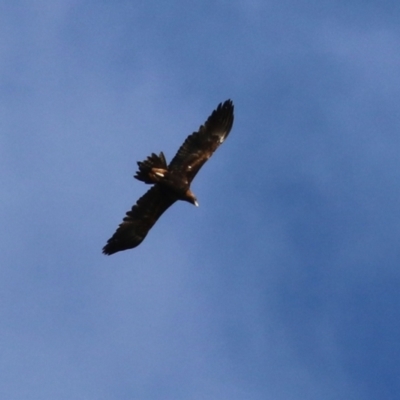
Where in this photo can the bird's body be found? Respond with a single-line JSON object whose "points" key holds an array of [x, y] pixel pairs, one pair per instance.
{"points": [[170, 182]]}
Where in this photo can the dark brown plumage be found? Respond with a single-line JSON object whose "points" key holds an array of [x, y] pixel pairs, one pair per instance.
{"points": [[171, 182]]}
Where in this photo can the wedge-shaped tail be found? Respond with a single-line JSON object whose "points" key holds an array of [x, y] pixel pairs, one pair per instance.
{"points": [[152, 169]]}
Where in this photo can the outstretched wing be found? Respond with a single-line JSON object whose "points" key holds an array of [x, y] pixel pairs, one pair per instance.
{"points": [[200, 145], [139, 220]]}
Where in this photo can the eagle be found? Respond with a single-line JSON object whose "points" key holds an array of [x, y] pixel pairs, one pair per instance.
{"points": [[171, 182]]}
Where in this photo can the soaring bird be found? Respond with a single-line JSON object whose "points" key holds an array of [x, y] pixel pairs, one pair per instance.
{"points": [[170, 182]]}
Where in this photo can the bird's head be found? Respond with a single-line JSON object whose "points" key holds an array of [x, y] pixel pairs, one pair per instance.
{"points": [[191, 198]]}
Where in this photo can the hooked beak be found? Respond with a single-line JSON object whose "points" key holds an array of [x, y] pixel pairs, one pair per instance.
{"points": [[191, 198]]}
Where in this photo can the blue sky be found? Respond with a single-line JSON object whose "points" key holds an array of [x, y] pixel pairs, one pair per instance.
{"points": [[284, 283]]}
